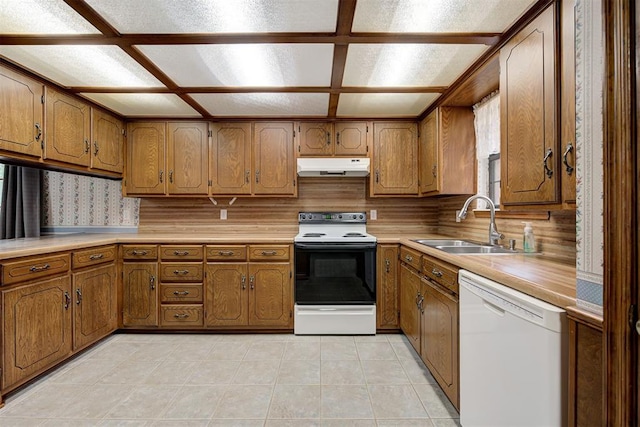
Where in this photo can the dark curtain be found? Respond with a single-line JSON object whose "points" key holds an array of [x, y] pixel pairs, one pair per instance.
{"points": [[20, 209]]}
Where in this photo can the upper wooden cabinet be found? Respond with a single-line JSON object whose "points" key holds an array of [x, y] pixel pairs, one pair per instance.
{"points": [[21, 114], [530, 155], [395, 159], [146, 156], [230, 158], [328, 139], [447, 152], [67, 129], [274, 171], [187, 161], [568, 96], [107, 152]]}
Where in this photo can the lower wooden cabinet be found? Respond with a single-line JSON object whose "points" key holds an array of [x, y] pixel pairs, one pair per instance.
{"points": [[139, 294], [387, 299], [36, 332], [270, 296], [410, 305], [227, 294]]}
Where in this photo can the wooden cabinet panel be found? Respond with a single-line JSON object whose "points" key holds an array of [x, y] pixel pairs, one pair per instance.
{"points": [[183, 292], [230, 159], [67, 129], [32, 268], [226, 253], [108, 142], [568, 97], [528, 110], [411, 257], [270, 294], [188, 163], [429, 163], [145, 158], [140, 297], [315, 139], [409, 312], [273, 157], [37, 328], [139, 252], [93, 256], [182, 315], [182, 252], [351, 139], [444, 274], [269, 253], [95, 304], [227, 294], [181, 272], [21, 114], [395, 159], [387, 298]]}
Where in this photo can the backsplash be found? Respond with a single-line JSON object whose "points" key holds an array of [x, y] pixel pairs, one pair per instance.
{"points": [[75, 201]]}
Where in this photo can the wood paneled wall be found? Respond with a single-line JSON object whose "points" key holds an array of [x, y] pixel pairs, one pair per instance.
{"points": [[395, 215]]}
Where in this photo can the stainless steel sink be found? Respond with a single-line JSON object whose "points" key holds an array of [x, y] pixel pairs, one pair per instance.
{"points": [[464, 247], [444, 242]]}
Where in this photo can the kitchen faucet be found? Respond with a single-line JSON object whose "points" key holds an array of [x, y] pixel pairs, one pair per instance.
{"points": [[494, 234]]}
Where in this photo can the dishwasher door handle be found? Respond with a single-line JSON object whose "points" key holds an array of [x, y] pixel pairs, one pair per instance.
{"points": [[492, 307]]}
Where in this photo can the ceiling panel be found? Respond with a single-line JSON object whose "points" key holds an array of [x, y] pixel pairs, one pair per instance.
{"points": [[264, 104], [41, 17], [218, 16], [432, 16], [257, 65], [384, 104], [104, 66], [404, 65], [144, 104]]}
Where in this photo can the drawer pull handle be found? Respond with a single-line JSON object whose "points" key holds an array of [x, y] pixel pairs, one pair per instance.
{"points": [[179, 272], [251, 280], [436, 273], [181, 315], [152, 282], [136, 252], [67, 300], [226, 253], [387, 265], [569, 168], [79, 294], [181, 253], [181, 293], [96, 256], [548, 171], [243, 280], [37, 268], [409, 258], [269, 253]]}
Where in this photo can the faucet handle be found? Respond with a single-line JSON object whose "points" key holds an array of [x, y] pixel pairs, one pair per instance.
{"points": [[512, 244]]}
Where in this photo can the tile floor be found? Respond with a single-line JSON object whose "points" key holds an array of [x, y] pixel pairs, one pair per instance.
{"points": [[236, 380]]}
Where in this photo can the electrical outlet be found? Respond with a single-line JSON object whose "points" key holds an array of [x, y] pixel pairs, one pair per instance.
{"points": [[457, 216], [373, 215], [223, 214]]}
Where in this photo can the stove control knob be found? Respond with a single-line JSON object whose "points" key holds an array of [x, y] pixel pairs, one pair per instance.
{"points": [[361, 216], [340, 216], [303, 216]]}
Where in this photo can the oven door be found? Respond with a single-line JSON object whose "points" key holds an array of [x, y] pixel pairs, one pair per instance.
{"points": [[335, 274]]}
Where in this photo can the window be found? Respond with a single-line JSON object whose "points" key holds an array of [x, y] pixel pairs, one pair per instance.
{"points": [[494, 178], [487, 128]]}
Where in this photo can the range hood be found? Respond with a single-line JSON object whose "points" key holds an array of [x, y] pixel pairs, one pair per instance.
{"points": [[333, 166]]}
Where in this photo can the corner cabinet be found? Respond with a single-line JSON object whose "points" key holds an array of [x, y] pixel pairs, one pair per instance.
{"points": [[274, 171], [108, 142], [387, 295], [394, 159], [530, 154]]}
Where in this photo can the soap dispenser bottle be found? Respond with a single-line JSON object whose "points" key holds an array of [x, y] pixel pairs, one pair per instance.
{"points": [[529, 241]]}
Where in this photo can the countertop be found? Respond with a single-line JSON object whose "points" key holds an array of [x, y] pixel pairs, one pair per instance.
{"points": [[532, 274]]}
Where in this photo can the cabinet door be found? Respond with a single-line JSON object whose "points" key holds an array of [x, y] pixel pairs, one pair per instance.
{"points": [[108, 142], [429, 170], [274, 162], [351, 139], [314, 139], [140, 295], [395, 159], [387, 299], [145, 158], [529, 117], [230, 159], [188, 158], [21, 114], [439, 342], [37, 328], [409, 298], [94, 316], [227, 288], [270, 294], [67, 128], [568, 96]]}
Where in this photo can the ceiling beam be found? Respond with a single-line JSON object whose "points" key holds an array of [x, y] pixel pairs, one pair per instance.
{"points": [[346, 13], [285, 89]]}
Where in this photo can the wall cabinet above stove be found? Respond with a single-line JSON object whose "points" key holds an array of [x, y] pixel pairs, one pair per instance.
{"points": [[333, 139]]}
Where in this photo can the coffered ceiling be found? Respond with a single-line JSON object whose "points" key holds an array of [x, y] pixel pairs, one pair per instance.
{"points": [[256, 58]]}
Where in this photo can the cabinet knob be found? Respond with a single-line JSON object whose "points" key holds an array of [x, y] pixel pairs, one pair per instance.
{"points": [[409, 258]]}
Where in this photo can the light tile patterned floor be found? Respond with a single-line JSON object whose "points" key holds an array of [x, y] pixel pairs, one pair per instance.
{"points": [[236, 380]]}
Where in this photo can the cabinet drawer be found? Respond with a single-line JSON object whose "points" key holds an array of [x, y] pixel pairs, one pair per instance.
{"points": [[181, 293], [227, 253], [181, 272], [411, 257], [269, 253], [33, 268], [93, 256], [441, 273], [139, 252], [181, 315], [182, 252]]}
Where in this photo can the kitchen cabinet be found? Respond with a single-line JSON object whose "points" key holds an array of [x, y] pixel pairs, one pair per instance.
{"points": [[21, 114], [447, 152], [410, 298], [274, 170], [530, 154], [139, 285], [187, 161], [394, 159], [254, 293], [387, 298], [181, 286], [568, 97], [329, 139], [108, 142], [146, 157], [67, 129], [230, 158]]}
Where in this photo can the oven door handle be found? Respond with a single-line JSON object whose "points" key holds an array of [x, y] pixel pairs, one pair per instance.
{"points": [[332, 246]]}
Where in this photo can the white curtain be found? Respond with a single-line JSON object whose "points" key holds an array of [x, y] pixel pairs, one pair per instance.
{"points": [[487, 126]]}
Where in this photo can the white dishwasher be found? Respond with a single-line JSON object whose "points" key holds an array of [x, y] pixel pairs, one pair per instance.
{"points": [[513, 357]]}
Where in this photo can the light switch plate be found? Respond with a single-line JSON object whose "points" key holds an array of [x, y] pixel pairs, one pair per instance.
{"points": [[373, 215], [223, 214]]}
